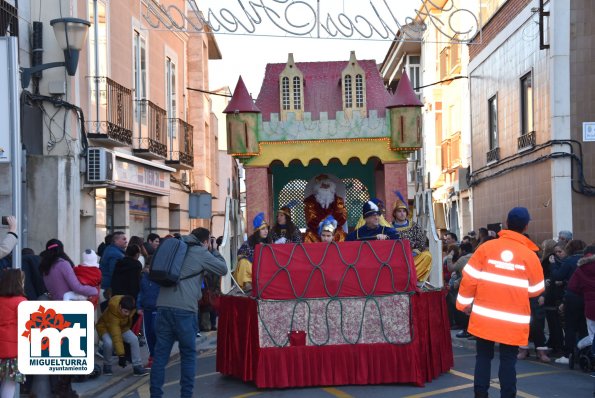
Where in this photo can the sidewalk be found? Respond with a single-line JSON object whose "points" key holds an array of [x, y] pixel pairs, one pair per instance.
{"points": [[91, 388]]}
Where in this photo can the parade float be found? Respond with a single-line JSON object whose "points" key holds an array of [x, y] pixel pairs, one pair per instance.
{"points": [[341, 312]]}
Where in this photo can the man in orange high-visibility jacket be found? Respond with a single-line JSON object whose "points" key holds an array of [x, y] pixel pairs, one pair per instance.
{"points": [[497, 282]]}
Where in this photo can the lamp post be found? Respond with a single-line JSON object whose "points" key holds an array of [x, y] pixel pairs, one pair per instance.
{"points": [[71, 34]]}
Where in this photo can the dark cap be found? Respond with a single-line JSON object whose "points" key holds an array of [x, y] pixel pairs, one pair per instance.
{"points": [[518, 216], [370, 208]]}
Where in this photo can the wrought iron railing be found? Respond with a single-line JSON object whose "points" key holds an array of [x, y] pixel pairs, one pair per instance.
{"points": [[116, 115], [155, 141], [183, 151], [493, 155], [9, 19], [526, 141]]}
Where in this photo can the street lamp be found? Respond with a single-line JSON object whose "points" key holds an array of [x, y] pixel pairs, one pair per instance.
{"points": [[71, 34]]}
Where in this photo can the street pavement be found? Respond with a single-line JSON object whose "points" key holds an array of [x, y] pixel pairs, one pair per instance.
{"points": [[535, 379]]}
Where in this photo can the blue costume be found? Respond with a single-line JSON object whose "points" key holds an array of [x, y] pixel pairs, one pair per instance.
{"points": [[365, 233]]}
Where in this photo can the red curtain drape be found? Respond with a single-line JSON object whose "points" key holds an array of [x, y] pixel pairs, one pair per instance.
{"points": [[425, 358]]}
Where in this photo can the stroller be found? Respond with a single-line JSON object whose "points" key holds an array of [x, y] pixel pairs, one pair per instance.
{"points": [[583, 356]]}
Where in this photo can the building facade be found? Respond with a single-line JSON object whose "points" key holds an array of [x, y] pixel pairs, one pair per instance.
{"points": [[530, 75], [134, 140], [436, 61]]}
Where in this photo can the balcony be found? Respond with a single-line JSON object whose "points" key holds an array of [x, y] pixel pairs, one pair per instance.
{"points": [[113, 125], [493, 156], [181, 154], [9, 20], [152, 143], [526, 141]]}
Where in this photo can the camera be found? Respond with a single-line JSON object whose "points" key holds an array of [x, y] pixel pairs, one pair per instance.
{"points": [[4, 220]]}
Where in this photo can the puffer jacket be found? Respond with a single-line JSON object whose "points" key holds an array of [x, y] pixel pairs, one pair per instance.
{"points": [[113, 322], [582, 283], [8, 326]]}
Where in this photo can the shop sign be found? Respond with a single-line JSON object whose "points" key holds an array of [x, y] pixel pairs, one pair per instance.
{"points": [[141, 178], [588, 131]]}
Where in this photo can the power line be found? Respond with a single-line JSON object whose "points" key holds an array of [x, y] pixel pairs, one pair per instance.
{"points": [[208, 92]]}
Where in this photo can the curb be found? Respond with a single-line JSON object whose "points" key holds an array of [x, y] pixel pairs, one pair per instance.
{"points": [[98, 385]]}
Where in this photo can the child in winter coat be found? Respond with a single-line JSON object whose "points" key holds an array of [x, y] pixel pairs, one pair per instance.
{"points": [[114, 329], [12, 292], [88, 273]]}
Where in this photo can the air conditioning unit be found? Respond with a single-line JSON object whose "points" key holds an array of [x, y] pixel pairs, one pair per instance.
{"points": [[100, 166]]}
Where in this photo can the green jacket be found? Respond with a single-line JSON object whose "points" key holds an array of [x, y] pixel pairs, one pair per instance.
{"points": [[113, 322]]}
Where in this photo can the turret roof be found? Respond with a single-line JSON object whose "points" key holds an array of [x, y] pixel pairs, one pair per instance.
{"points": [[404, 94], [241, 100]]}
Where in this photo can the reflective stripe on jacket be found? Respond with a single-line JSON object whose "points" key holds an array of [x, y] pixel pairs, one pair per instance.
{"points": [[498, 280]]}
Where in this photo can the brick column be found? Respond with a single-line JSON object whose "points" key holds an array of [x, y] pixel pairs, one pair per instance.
{"points": [[395, 178], [258, 195]]}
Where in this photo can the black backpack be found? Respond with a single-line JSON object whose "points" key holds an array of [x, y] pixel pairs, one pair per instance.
{"points": [[167, 261]]}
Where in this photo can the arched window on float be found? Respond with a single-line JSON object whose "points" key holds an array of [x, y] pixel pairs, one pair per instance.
{"points": [[285, 94], [353, 79], [291, 90], [297, 93]]}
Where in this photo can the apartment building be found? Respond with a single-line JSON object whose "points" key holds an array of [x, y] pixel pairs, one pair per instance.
{"points": [[436, 61], [141, 140], [531, 106]]}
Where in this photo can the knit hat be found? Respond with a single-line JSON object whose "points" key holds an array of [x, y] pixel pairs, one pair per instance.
{"points": [[370, 208], [518, 216], [259, 222], [90, 258], [328, 224]]}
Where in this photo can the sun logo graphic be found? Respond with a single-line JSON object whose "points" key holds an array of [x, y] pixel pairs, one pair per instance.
{"points": [[56, 337], [506, 256]]}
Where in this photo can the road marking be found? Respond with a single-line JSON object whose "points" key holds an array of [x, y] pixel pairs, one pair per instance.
{"points": [[336, 392], [250, 394], [495, 383], [442, 391], [550, 372], [461, 374], [171, 383]]}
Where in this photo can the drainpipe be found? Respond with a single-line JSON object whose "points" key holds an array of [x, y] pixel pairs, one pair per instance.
{"points": [[96, 49]]}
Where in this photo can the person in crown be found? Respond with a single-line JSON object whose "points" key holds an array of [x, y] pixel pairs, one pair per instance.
{"points": [[372, 230], [243, 272], [285, 230], [413, 232], [322, 202], [326, 229]]}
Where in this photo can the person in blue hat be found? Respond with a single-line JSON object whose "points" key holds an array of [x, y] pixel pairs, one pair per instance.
{"points": [[243, 272], [382, 220], [372, 230], [326, 229]]}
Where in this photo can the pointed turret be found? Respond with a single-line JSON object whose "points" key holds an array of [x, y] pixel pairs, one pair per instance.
{"points": [[404, 94], [404, 112], [241, 100], [243, 118]]}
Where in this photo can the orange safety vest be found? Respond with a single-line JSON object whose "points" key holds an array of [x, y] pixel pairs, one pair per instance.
{"points": [[498, 280]]}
